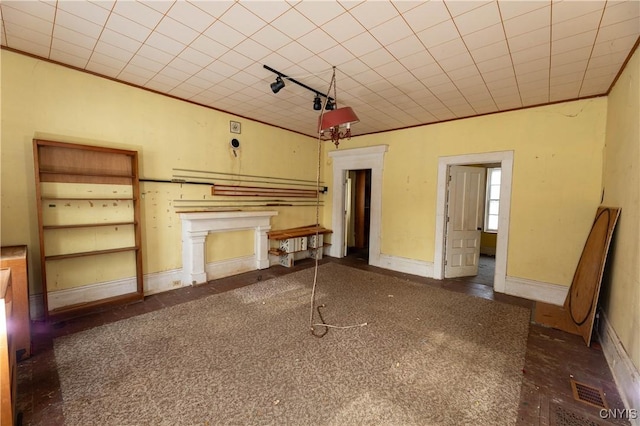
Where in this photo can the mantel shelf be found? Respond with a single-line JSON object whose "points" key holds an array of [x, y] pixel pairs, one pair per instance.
{"points": [[88, 198]]}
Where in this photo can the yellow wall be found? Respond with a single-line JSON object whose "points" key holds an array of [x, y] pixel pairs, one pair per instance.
{"points": [[557, 171], [47, 101], [621, 183], [488, 239]]}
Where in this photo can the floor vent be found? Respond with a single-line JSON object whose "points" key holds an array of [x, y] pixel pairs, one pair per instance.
{"points": [[588, 394], [564, 417]]}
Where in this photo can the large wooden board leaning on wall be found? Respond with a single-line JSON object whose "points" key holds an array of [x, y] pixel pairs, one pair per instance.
{"points": [[88, 200], [577, 314], [8, 371]]}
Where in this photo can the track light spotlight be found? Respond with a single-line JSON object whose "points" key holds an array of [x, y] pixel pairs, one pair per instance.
{"points": [[329, 106], [317, 103], [277, 85]]}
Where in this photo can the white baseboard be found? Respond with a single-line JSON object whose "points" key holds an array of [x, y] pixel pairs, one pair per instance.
{"points": [[87, 293], [409, 266], [536, 290], [228, 267], [158, 282], [625, 373]]}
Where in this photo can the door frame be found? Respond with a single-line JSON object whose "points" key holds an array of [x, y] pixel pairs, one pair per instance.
{"points": [[505, 158], [355, 159]]}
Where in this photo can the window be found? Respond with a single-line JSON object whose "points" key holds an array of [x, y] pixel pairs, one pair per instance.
{"points": [[493, 200]]}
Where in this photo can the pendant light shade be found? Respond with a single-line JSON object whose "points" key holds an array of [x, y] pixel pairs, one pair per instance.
{"points": [[338, 117]]}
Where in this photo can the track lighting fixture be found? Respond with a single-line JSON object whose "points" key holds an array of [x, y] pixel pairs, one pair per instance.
{"points": [[329, 106], [277, 85], [317, 103]]}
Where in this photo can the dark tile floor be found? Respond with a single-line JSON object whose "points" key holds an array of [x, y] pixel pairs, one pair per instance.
{"points": [[552, 358]]}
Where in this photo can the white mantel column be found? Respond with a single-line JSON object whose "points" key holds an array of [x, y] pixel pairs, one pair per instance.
{"points": [[262, 247], [193, 257]]}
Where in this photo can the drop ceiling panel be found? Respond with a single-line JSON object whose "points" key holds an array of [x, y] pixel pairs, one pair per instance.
{"points": [[397, 63]]}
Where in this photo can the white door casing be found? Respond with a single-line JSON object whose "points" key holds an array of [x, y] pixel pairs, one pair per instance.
{"points": [[355, 159], [505, 158], [465, 208]]}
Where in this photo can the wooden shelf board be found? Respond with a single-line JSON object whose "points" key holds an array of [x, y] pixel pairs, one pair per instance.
{"points": [[89, 198], [76, 173], [87, 225], [90, 253]]}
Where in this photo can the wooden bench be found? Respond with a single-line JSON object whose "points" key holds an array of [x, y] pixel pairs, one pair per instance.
{"points": [[298, 243]]}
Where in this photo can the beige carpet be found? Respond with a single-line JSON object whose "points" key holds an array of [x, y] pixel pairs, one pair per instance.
{"points": [[246, 357]]}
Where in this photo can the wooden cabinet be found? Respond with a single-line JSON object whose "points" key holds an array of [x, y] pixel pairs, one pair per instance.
{"points": [[15, 257], [89, 219], [8, 370], [298, 243]]}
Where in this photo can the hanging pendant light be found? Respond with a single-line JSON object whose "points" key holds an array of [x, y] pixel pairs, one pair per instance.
{"points": [[336, 123]]}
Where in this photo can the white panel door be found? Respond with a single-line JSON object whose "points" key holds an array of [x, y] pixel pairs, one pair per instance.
{"points": [[465, 218]]}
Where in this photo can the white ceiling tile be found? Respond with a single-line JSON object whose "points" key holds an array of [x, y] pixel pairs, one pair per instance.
{"points": [[315, 65], [427, 71], [176, 30], [417, 60], [213, 8], [79, 25], [605, 71], [238, 60], [250, 23], [343, 28], [164, 43], [293, 24], [525, 78], [448, 49], [190, 15], [577, 25], [317, 41], [127, 27], [620, 11], [462, 60], [337, 55], [154, 54], [528, 22], [195, 57], [571, 78], [574, 42], [569, 10], [614, 59], [185, 91], [376, 58], [499, 76], [371, 14], [174, 73], [463, 76], [26, 34], [110, 69], [164, 81], [267, 10], [391, 69], [123, 42], [572, 56], [186, 66], [619, 30], [457, 7], [73, 37], [145, 63], [137, 12], [407, 47], [623, 45], [42, 10], [439, 34], [209, 47], [491, 51], [478, 19], [530, 39], [495, 64], [32, 22], [508, 103], [500, 89], [105, 4], [510, 9], [29, 46], [111, 51], [271, 38], [353, 67], [426, 15], [436, 83], [295, 50], [224, 34], [484, 37], [161, 6], [66, 57], [572, 67], [391, 31], [320, 14], [534, 99], [531, 54], [535, 65], [361, 44]]}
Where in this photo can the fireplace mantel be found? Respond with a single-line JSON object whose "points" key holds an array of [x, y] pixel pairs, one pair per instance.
{"points": [[196, 226]]}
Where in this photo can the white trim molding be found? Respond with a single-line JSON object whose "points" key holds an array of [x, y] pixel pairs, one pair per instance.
{"points": [[357, 159], [554, 294], [87, 293], [505, 158], [625, 373], [159, 282], [409, 266]]}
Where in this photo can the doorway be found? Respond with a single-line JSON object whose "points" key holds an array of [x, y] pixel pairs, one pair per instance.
{"points": [[505, 161], [358, 213]]}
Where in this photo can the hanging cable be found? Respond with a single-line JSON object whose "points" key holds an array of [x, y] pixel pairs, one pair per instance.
{"points": [[322, 322]]}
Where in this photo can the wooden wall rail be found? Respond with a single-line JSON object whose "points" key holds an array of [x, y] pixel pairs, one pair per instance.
{"points": [[262, 191]]}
